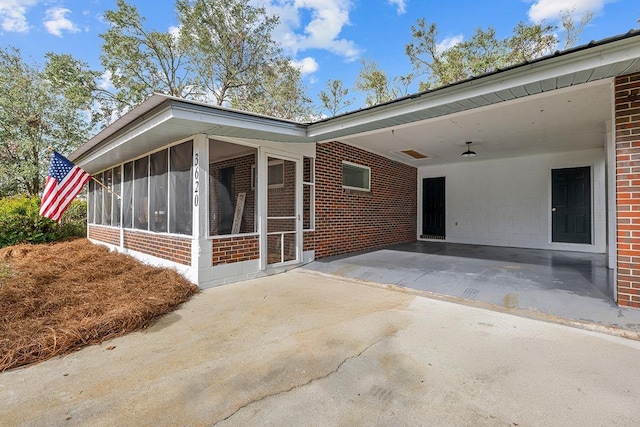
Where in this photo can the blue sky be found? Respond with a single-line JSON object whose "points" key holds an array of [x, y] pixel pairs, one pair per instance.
{"points": [[327, 38]]}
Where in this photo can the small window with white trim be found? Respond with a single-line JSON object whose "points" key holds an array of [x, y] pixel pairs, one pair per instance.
{"points": [[275, 174], [356, 177]]}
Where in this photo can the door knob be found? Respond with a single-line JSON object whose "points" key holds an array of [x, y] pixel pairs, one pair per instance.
{"points": [[553, 209]]}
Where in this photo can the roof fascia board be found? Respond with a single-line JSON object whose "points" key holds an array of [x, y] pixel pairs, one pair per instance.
{"points": [[582, 60], [236, 119], [160, 117]]}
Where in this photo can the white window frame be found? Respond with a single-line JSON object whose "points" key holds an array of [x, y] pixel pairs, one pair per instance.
{"points": [[364, 168], [271, 163]]}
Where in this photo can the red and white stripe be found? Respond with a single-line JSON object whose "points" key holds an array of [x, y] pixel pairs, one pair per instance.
{"points": [[58, 195]]}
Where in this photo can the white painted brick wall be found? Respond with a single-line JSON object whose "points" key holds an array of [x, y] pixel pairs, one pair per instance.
{"points": [[507, 202]]}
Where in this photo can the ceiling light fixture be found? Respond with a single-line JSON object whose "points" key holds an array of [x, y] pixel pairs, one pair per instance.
{"points": [[469, 153]]}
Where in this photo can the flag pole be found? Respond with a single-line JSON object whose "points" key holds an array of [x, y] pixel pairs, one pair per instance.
{"points": [[106, 188], [99, 183]]}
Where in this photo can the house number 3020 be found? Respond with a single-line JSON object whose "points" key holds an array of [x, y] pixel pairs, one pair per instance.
{"points": [[196, 180]]}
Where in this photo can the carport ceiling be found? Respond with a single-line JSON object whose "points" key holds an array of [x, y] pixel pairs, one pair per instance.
{"points": [[563, 120]]}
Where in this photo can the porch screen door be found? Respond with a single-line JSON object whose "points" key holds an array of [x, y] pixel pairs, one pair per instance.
{"points": [[282, 212]]}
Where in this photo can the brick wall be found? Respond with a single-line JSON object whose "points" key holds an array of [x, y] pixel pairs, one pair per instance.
{"points": [[171, 248], [350, 220], [235, 249], [104, 234], [627, 117]]}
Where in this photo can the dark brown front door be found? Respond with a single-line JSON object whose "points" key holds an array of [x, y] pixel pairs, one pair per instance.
{"points": [[433, 208], [571, 205]]}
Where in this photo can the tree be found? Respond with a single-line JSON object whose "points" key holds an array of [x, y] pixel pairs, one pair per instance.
{"points": [[335, 98], [573, 30], [279, 93], [142, 61], [484, 52], [39, 108], [378, 87], [230, 45]]}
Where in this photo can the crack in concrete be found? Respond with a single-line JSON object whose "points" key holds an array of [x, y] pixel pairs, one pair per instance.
{"points": [[312, 380]]}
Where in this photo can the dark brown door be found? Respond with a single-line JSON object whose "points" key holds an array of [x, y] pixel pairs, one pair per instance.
{"points": [[571, 205], [433, 208]]}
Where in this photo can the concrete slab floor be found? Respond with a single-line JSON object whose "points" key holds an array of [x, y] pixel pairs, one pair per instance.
{"points": [[300, 349], [569, 285]]}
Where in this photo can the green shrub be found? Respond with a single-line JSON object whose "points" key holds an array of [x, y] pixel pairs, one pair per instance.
{"points": [[20, 222]]}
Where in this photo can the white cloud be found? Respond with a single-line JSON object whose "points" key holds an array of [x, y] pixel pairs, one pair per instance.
{"points": [[306, 65], [56, 21], [105, 81], [550, 10], [400, 4], [325, 20], [12, 15], [449, 42]]}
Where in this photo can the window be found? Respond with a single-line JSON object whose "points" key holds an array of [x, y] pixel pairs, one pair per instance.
{"points": [[91, 202], [98, 206], [275, 174], [117, 202], [127, 196], [180, 188], [308, 194], [232, 182], [356, 177], [156, 192], [159, 186], [107, 177], [141, 194]]}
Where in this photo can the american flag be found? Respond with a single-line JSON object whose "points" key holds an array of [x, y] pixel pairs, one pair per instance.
{"points": [[64, 181]]}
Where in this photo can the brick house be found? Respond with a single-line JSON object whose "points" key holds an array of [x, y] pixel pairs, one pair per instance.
{"points": [[224, 195]]}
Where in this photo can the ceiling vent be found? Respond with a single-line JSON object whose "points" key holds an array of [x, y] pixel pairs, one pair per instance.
{"points": [[412, 154]]}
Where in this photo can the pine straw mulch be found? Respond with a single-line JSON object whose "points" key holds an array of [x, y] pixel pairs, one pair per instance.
{"points": [[58, 298]]}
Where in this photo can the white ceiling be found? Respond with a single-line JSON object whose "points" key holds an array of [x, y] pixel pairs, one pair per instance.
{"points": [[562, 120]]}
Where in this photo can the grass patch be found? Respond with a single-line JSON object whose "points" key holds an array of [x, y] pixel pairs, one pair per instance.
{"points": [[57, 298]]}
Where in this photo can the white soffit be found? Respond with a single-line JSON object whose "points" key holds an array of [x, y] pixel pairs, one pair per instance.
{"points": [[587, 64]]}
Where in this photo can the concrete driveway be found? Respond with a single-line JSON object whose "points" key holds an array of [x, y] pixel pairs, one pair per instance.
{"points": [[302, 349]]}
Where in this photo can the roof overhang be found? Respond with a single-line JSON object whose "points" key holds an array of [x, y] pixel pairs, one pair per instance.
{"points": [[603, 60], [161, 119]]}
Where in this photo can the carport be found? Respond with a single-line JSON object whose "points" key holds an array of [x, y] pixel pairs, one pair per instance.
{"points": [[569, 285], [527, 221]]}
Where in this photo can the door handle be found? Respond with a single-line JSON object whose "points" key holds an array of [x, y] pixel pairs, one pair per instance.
{"points": [[553, 209]]}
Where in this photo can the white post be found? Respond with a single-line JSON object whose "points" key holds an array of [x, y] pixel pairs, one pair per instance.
{"points": [[201, 250]]}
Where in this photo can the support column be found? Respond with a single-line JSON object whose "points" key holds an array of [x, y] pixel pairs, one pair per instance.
{"points": [[627, 140], [201, 250]]}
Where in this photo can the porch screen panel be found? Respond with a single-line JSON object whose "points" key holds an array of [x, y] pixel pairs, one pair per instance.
{"points": [[308, 194], [141, 194], [159, 188], [232, 188], [107, 197], [117, 202], [91, 200], [127, 196], [98, 204], [180, 188]]}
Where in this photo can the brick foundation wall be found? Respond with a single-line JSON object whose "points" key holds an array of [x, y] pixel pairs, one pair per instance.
{"points": [[627, 118], [104, 234], [235, 249], [351, 220], [171, 248]]}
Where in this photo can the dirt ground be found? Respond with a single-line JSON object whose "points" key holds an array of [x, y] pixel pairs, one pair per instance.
{"points": [[57, 298]]}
